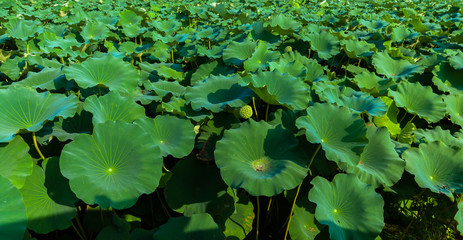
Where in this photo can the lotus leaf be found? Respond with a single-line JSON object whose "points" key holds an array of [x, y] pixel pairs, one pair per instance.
{"points": [[351, 209], [47, 79], [284, 24], [24, 108], [341, 133], [206, 69], [12, 67], [237, 52], [108, 71], [254, 157], [437, 134], [239, 224], [162, 88], [400, 34], [379, 163], [365, 103], [168, 71], [459, 217], [260, 58], [457, 61], [113, 107], [13, 218], [447, 79], [44, 215], [198, 226], [21, 28], [279, 89], [420, 100], [396, 69], [16, 162], [174, 136], [129, 17], [194, 187], [324, 43], [370, 81], [94, 30], [112, 167], [436, 166], [357, 49], [455, 108], [216, 92]]}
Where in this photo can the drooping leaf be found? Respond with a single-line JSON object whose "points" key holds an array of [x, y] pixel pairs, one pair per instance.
{"points": [[261, 158], [112, 167], [351, 209]]}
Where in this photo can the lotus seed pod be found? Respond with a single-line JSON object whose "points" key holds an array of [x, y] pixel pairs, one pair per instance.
{"points": [[288, 49], [246, 112]]}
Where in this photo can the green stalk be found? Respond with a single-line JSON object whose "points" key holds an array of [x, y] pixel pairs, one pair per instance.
{"points": [[255, 109], [297, 192], [37, 146], [258, 217]]}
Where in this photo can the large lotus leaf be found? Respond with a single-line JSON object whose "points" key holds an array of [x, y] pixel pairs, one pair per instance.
{"points": [[456, 61], [284, 24], [260, 58], [129, 17], [47, 79], [436, 166], [363, 102], [261, 158], [396, 69], [417, 99], [197, 227], [216, 92], [357, 49], [370, 81], [21, 28], [16, 162], [167, 26], [108, 71], [324, 43], [237, 52], [437, 134], [13, 218], [112, 167], [447, 79], [94, 30], [379, 163], [44, 215], [341, 133], [24, 108], [175, 136], [351, 209], [279, 89], [455, 108], [113, 107], [400, 34], [194, 187], [162, 88]]}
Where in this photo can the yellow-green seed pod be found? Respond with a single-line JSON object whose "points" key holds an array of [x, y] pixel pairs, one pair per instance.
{"points": [[288, 49], [246, 112]]}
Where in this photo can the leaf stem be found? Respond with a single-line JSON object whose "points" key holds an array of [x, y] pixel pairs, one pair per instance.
{"points": [[266, 112], [297, 192], [77, 231], [162, 204], [37, 146], [258, 217], [255, 109]]}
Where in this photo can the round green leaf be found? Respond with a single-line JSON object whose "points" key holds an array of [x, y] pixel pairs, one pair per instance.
{"points": [[108, 71], [379, 163], [437, 134], [360, 102], [341, 133], [350, 208], [436, 166], [420, 100], [112, 167], [113, 107], [394, 68], [13, 218], [357, 49], [324, 43], [16, 162], [175, 136], [261, 158], [455, 108], [24, 108], [194, 187], [447, 79], [216, 92], [162, 88], [44, 215], [279, 89], [237, 52], [197, 227], [260, 58], [457, 60], [94, 30], [21, 28]]}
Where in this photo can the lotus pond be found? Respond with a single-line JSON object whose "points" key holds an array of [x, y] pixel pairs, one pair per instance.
{"points": [[235, 120]]}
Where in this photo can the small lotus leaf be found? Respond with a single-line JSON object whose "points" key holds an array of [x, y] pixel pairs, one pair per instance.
{"points": [[112, 167], [436, 166], [175, 136], [324, 43], [420, 100], [389, 120], [24, 108], [13, 218], [260, 58], [43, 213], [357, 49], [279, 89], [198, 226], [455, 108], [351, 209], [254, 157], [16, 162], [129, 17], [364, 102], [94, 30], [379, 163], [113, 107], [162, 88], [108, 71], [396, 69], [341, 133], [216, 92]]}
